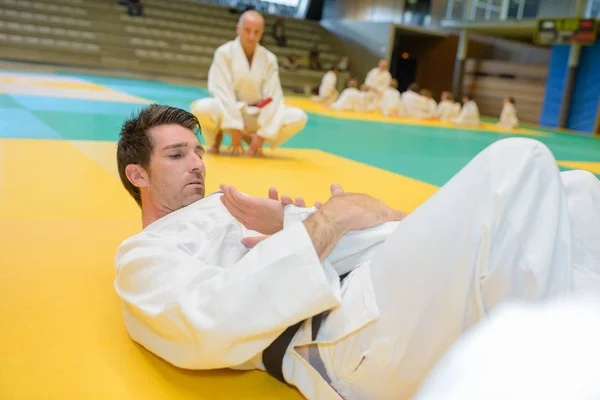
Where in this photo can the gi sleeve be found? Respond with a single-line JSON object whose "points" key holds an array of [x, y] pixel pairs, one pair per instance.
{"points": [[200, 316], [353, 248]]}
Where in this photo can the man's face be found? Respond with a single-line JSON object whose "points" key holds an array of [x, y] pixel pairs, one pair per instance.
{"points": [[383, 65], [176, 172], [250, 31]]}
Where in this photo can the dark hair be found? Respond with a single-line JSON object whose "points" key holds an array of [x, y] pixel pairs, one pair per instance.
{"points": [[135, 146], [414, 87], [512, 100], [468, 96]]}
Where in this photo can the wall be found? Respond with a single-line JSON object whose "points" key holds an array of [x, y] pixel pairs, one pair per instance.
{"points": [[556, 8], [513, 51], [379, 11], [368, 10], [436, 64], [438, 13], [554, 86], [490, 81], [586, 91], [363, 41]]}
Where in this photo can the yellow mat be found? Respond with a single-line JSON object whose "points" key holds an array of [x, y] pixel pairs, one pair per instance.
{"points": [[63, 213]]}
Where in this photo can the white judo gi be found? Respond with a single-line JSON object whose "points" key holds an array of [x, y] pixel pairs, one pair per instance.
{"points": [[353, 99], [378, 80], [508, 117], [327, 89], [195, 296], [469, 115], [350, 100], [431, 107], [525, 351], [447, 110], [391, 102], [236, 87], [415, 105]]}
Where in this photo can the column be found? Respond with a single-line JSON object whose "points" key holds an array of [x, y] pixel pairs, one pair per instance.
{"points": [[459, 66], [574, 54]]}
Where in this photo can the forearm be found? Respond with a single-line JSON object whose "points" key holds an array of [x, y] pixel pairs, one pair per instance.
{"points": [[325, 232]]}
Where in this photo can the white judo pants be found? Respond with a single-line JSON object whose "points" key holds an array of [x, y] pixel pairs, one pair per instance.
{"points": [[524, 351], [508, 226], [351, 100], [210, 115]]}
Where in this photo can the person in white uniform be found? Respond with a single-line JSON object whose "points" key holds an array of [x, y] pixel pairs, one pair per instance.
{"points": [[378, 79], [469, 115], [369, 99], [447, 110], [360, 300], [508, 116], [247, 97], [415, 105], [391, 101], [430, 104], [350, 99], [327, 90], [525, 351]]}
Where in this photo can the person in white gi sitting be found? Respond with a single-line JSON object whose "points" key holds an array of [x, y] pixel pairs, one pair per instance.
{"points": [[391, 101], [378, 79], [447, 110], [350, 99], [247, 95], [430, 104], [415, 105], [351, 299], [327, 90], [508, 116], [469, 115]]}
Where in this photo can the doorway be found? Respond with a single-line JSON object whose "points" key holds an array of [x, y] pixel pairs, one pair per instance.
{"points": [[403, 68]]}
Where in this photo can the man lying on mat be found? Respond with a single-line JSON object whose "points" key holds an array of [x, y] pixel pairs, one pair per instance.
{"points": [[351, 299]]}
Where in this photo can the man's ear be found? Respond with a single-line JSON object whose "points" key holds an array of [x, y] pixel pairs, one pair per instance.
{"points": [[136, 175]]}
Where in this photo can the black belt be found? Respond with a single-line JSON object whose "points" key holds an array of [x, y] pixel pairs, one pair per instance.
{"points": [[272, 356]]}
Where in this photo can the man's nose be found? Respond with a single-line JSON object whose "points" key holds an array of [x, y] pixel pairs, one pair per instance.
{"points": [[196, 164]]}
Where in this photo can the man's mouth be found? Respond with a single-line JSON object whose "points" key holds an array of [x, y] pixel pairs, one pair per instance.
{"points": [[196, 182]]}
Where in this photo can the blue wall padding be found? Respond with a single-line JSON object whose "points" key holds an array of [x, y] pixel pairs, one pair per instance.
{"points": [[555, 82], [586, 91]]}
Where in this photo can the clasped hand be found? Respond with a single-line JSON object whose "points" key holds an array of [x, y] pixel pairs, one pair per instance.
{"points": [[265, 215]]}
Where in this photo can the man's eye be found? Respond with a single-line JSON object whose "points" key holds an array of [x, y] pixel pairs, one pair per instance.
{"points": [[175, 156]]}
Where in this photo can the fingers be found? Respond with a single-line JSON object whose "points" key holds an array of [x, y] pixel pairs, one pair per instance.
{"points": [[286, 200], [336, 189], [233, 210], [235, 203], [252, 241], [273, 194], [243, 202]]}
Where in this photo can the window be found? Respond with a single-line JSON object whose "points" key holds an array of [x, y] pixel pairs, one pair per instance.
{"points": [[486, 9]]}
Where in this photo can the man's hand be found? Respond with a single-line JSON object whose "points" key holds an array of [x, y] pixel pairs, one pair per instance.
{"points": [[255, 213], [344, 213], [286, 200], [261, 215]]}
